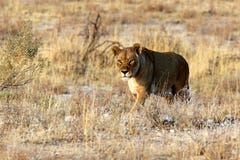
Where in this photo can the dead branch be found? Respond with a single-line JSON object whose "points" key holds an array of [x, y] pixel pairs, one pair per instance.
{"points": [[18, 78], [94, 36], [109, 44]]}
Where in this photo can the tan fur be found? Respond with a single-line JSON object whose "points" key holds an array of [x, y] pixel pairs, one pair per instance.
{"points": [[149, 72]]}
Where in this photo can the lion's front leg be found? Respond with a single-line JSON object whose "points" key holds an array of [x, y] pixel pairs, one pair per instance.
{"points": [[139, 99], [134, 96]]}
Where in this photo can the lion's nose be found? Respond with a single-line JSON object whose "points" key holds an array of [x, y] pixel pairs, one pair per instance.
{"points": [[124, 71]]}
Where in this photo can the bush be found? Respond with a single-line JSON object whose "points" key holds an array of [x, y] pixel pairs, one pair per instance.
{"points": [[19, 62]]}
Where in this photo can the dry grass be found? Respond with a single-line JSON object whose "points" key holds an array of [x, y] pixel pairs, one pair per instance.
{"points": [[78, 109]]}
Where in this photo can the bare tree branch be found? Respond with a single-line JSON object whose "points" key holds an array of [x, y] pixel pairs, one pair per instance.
{"points": [[18, 78]]}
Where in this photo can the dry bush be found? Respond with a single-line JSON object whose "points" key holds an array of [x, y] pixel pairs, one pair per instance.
{"points": [[92, 53], [93, 33]]}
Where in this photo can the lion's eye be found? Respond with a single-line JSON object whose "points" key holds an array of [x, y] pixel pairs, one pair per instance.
{"points": [[119, 62], [132, 62]]}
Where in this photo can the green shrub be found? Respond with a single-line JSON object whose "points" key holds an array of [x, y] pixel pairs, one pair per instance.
{"points": [[19, 61]]}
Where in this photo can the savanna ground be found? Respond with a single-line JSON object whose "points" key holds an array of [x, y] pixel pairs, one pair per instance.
{"points": [[74, 106]]}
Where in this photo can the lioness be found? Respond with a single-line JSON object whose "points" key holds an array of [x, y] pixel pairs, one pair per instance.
{"points": [[154, 72]]}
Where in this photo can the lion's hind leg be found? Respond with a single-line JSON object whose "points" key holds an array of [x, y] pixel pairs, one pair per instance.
{"points": [[184, 94], [170, 93]]}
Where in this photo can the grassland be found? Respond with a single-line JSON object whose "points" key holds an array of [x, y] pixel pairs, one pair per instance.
{"points": [[77, 106]]}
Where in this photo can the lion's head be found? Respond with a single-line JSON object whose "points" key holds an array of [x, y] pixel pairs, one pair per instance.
{"points": [[127, 60]]}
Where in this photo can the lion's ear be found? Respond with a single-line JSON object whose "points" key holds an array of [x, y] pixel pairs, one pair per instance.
{"points": [[115, 50], [137, 48]]}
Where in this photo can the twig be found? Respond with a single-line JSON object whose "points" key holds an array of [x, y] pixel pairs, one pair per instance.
{"points": [[17, 79]]}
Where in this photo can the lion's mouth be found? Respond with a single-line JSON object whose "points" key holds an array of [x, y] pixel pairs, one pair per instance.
{"points": [[125, 78]]}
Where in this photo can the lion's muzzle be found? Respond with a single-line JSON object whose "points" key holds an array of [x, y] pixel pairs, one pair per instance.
{"points": [[125, 75]]}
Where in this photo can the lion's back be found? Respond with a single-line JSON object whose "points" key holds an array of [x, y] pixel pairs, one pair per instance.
{"points": [[169, 67]]}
